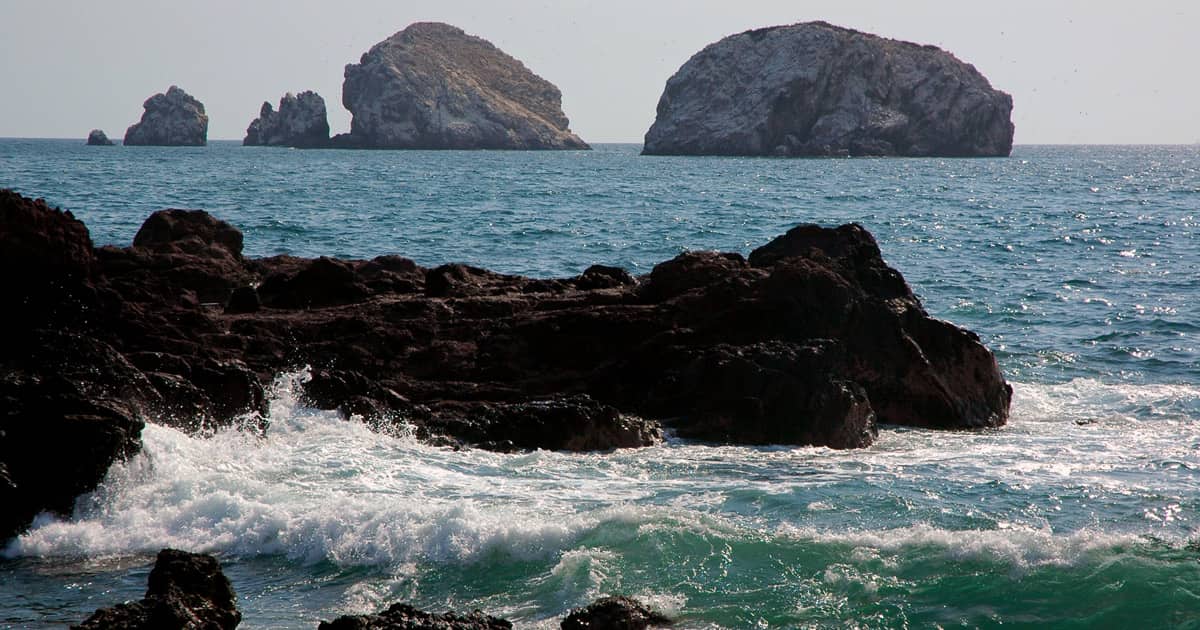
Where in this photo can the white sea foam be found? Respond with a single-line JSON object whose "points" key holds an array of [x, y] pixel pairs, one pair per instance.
{"points": [[1019, 547], [320, 489]]}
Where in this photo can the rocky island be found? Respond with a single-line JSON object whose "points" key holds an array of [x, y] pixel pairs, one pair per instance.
{"points": [[97, 138], [171, 119], [432, 86], [301, 122], [815, 89], [811, 339]]}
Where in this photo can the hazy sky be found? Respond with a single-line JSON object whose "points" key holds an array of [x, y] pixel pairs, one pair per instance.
{"points": [[1079, 72]]}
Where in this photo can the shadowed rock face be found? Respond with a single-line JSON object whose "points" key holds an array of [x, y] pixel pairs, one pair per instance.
{"points": [[185, 591], [97, 138], [815, 89], [171, 119], [812, 339], [301, 122], [432, 86]]}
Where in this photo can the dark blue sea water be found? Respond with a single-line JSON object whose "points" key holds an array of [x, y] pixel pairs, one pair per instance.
{"points": [[1078, 266]]}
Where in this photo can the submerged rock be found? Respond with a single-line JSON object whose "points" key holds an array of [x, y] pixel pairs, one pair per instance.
{"points": [[97, 138], [301, 122], [185, 591], [614, 613], [817, 89], [170, 119], [432, 86]]}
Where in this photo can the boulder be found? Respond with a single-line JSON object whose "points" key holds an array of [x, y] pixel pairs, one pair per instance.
{"points": [[614, 613], [432, 86], [301, 122], [814, 89], [186, 591], [171, 119], [405, 617], [97, 138]]}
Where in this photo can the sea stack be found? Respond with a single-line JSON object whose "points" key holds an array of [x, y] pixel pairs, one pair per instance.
{"points": [[432, 86], [97, 138], [301, 122], [185, 590], [815, 89], [171, 119]]}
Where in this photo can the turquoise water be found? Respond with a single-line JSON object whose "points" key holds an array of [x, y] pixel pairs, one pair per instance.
{"points": [[1079, 266]]}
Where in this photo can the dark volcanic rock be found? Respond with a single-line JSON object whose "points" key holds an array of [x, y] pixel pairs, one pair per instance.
{"points": [[62, 421], [171, 119], [812, 339], [301, 122], [97, 138], [817, 89], [614, 613], [68, 401], [88, 350], [186, 592], [405, 617], [432, 86]]}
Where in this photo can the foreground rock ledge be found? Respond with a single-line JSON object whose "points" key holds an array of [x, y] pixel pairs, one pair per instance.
{"points": [[811, 340], [815, 89]]}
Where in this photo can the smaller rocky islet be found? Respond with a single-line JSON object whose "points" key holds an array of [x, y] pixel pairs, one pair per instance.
{"points": [[300, 122], [97, 138], [171, 118]]}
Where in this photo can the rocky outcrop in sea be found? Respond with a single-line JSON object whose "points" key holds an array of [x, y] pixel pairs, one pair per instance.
{"points": [[170, 119], [614, 612], [97, 138], [815, 89], [432, 86], [812, 339], [186, 590], [405, 617], [301, 122]]}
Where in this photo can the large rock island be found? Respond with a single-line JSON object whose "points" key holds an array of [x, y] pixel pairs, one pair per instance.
{"points": [[172, 119], [815, 89], [301, 122], [432, 86], [812, 339]]}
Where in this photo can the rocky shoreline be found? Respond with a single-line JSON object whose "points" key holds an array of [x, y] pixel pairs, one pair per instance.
{"points": [[811, 340]]}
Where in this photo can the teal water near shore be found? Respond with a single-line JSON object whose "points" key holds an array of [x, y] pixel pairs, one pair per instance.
{"points": [[1078, 266]]}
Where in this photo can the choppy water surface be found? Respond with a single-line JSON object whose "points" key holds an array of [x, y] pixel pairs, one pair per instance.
{"points": [[1079, 266]]}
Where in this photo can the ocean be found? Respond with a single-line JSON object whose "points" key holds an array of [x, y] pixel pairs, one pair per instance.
{"points": [[1079, 266]]}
